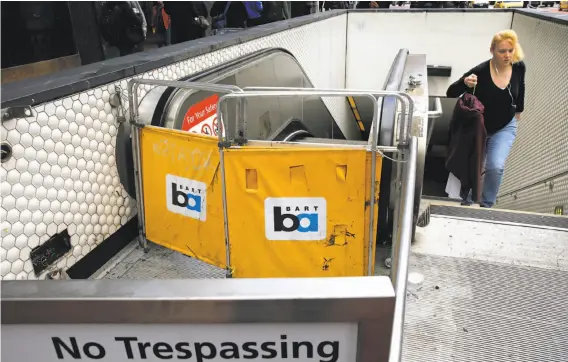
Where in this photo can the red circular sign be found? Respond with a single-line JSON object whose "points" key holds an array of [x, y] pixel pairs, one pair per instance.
{"points": [[215, 127], [206, 129]]}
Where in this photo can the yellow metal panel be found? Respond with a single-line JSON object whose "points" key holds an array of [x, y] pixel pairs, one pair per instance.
{"points": [[298, 212], [182, 193]]}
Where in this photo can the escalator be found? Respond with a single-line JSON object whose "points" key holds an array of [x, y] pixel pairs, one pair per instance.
{"points": [[273, 118]]}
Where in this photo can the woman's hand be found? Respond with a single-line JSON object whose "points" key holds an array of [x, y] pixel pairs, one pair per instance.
{"points": [[518, 116], [471, 81]]}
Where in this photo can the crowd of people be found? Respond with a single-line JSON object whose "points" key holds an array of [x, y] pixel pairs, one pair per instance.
{"points": [[127, 24]]}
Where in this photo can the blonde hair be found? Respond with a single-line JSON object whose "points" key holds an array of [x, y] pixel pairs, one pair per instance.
{"points": [[511, 36]]}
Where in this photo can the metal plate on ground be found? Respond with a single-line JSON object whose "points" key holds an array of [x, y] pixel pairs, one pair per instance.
{"points": [[470, 310], [500, 216], [162, 263]]}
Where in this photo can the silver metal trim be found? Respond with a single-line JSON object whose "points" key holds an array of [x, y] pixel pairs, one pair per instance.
{"points": [[437, 112], [407, 220], [196, 300], [368, 302], [294, 134]]}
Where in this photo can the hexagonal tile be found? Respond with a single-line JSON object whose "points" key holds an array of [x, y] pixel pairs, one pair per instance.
{"points": [[13, 177], [66, 137], [33, 240], [52, 194], [21, 241], [55, 205], [76, 140], [26, 178], [21, 203], [77, 219], [58, 217], [5, 189], [48, 181], [51, 229], [37, 180], [59, 148], [56, 135], [8, 242], [5, 267], [69, 118], [17, 266], [41, 156], [60, 112], [26, 140], [17, 190], [13, 137], [34, 129], [25, 252], [38, 143], [25, 217], [77, 250], [73, 128], [30, 154], [22, 125], [72, 162], [81, 196], [65, 204], [13, 255], [29, 190], [21, 165], [42, 118], [48, 217], [68, 218], [29, 229], [52, 158], [37, 215]]}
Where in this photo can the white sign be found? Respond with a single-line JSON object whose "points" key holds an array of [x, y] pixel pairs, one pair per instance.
{"points": [[186, 197], [323, 342], [295, 218], [202, 117]]}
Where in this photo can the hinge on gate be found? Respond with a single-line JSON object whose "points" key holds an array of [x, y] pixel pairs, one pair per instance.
{"points": [[241, 141], [10, 113], [224, 144]]}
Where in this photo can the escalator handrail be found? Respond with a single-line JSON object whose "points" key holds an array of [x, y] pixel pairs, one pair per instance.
{"points": [[405, 99]]}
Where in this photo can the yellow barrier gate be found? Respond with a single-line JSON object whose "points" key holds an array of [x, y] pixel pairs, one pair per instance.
{"points": [[297, 212], [261, 210], [286, 218], [182, 193]]}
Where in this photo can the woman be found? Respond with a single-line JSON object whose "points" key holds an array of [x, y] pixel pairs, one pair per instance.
{"points": [[499, 84]]}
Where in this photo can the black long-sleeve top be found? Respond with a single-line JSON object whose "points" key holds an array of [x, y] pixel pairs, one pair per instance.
{"points": [[500, 105]]}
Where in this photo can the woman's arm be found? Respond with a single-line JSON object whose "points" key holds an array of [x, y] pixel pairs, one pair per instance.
{"points": [[458, 87]]}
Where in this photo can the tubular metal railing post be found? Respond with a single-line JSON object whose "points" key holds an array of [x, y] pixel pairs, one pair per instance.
{"points": [[406, 225]]}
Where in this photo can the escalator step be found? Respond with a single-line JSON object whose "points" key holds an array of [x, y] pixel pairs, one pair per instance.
{"points": [[560, 222]]}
